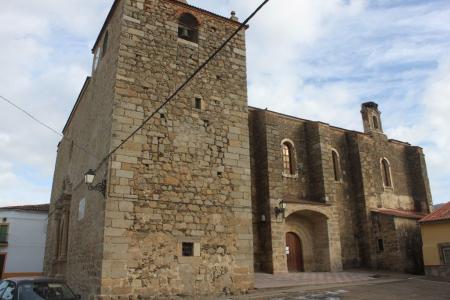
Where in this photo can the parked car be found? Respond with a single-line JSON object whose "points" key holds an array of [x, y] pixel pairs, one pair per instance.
{"points": [[35, 289]]}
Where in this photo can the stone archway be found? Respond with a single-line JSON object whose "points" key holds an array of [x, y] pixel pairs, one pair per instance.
{"points": [[312, 229]]}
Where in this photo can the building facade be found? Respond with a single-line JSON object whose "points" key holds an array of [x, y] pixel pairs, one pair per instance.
{"points": [[352, 199], [435, 229], [192, 200], [22, 240]]}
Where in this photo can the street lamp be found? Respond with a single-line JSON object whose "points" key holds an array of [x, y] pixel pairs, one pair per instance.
{"points": [[280, 209], [89, 177]]}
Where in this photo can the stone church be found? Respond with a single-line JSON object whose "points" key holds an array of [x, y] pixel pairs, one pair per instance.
{"points": [[212, 190]]}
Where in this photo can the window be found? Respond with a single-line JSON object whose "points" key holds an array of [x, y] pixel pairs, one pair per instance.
{"points": [[380, 245], [376, 125], [3, 286], [4, 234], [44, 290], [288, 158], [71, 149], [198, 103], [96, 58], [63, 234], [386, 173], [81, 209], [105, 44], [187, 249], [9, 291], [445, 251], [62, 225], [336, 165], [188, 28]]}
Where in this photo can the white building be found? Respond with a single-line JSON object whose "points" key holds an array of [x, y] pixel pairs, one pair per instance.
{"points": [[23, 231]]}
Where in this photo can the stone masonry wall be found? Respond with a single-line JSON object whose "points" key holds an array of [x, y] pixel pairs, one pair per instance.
{"points": [[349, 199], [185, 177], [370, 150], [401, 244], [419, 179], [90, 128], [205, 177], [312, 150], [384, 230], [262, 244], [410, 244], [345, 199]]}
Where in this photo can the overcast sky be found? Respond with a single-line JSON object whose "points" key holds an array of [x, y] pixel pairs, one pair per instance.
{"points": [[312, 59]]}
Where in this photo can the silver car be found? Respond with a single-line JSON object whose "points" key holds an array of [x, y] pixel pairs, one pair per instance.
{"points": [[35, 289]]}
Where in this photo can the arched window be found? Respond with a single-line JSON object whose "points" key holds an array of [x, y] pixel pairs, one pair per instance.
{"points": [[61, 241], [188, 28], [376, 125], [336, 165], [288, 158], [105, 44], [386, 173]]}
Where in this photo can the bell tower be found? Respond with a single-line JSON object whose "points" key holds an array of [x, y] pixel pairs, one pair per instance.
{"points": [[371, 118], [185, 177]]}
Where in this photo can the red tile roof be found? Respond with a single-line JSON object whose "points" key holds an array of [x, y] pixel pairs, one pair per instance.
{"points": [[398, 213], [441, 214], [37, 207]]}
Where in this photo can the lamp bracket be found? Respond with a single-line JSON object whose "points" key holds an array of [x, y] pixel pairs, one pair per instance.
{"points": [[279, 211], [100, 187]]}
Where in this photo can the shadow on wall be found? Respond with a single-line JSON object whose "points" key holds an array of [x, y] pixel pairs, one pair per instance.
{"points": [[413, 251]]}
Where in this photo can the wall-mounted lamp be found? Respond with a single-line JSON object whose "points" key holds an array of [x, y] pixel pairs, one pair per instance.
{"points": [[89, 177], [280, 210]]}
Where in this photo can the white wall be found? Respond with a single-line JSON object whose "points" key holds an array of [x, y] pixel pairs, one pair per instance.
{"points": [[26, 241]]}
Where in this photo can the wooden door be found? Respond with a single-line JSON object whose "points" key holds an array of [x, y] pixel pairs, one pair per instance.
{"points": [[2, 264], [294, 253]]}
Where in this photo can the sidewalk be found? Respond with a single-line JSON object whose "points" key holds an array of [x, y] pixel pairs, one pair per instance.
{"points": [[269, 281]]}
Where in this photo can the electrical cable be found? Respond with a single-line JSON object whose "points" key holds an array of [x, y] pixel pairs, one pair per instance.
{"points": [[181, 87], [46, 126]]}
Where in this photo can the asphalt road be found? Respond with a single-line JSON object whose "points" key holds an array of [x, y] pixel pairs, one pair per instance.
{"points": [[408, 289]]}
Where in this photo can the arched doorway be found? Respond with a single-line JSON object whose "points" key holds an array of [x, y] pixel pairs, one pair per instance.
{"points": [[311, 228], [294, 252]]}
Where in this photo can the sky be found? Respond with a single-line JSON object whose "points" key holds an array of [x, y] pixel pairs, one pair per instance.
{"points": [[317, 60]]}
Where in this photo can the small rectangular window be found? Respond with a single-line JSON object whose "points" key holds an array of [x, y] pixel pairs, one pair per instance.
{"points": [[105, 44], [81, 209], [446, 255], [380, 245], [187, 249], [96, 58], [4, 234], [198, 103]]}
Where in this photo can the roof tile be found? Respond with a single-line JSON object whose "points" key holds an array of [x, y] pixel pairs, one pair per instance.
{"points": [[398, 213], [441, 214]]}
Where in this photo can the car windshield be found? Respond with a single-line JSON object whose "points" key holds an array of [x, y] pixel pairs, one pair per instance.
{"points": [[45, 291]]}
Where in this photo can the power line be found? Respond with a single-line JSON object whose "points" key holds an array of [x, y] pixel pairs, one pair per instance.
{"points": [[45, 125], [31, 116], [189, 79]]}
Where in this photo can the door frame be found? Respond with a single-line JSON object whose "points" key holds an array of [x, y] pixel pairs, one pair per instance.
{"points": [[3, 268], [302, 263]]}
